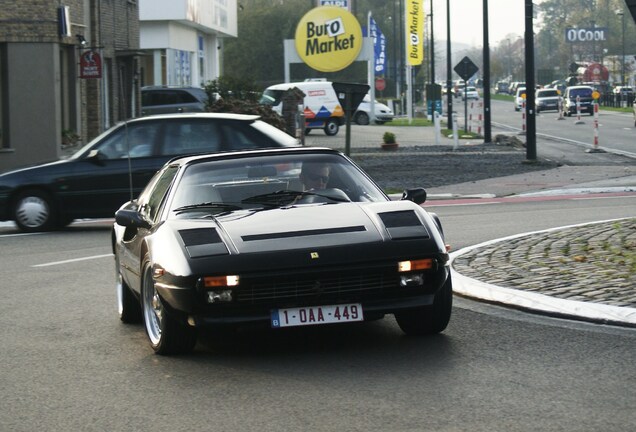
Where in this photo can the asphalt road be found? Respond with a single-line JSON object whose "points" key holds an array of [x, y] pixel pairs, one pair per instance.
{"points": [[68, 364]]}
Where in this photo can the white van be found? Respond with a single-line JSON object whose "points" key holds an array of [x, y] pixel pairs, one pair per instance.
{"points": [[321, 105]]}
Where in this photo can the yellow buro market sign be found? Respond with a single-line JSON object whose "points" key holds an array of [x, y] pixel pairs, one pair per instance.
{"points": [[414, 31], [328, 38]]}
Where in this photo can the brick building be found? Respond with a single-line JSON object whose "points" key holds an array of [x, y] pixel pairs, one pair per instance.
{"points": [[50, 55]]}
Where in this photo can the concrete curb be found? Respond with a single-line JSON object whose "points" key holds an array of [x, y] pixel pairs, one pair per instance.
{"points": [[534, 302]]}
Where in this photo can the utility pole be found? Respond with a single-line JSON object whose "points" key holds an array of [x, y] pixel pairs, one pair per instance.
{"points": [[486, 55], [531, 126], [432, 48], [449, 69]]}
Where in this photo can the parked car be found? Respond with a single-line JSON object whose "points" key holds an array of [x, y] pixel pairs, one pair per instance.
{"points": [[547, 100], [383, 113], [584, 96], [470, 93], [234, 238], [520, 97], [167, 100], [99, 178], [624, 91]]}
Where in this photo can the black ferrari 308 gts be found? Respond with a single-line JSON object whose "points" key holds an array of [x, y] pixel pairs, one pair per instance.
{"points": [[292, 237]]}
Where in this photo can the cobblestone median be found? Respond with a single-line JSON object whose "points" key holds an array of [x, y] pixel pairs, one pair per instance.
{"points": [[593, 263]]}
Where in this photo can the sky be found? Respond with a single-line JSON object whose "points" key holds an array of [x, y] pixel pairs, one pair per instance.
{"points": [[504, 17]]}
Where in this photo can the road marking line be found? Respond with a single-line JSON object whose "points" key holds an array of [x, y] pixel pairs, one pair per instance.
{"points": [[72, 260]]}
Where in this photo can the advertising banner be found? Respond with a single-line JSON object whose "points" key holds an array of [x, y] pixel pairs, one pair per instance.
{"points": [[414, 32], [328, 38], [379, 47]]}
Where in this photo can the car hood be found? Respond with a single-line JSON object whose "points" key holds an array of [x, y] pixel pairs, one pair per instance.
{"points": [[288, 236], [33, 172]]}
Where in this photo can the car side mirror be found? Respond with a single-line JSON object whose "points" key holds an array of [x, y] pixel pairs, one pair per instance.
{"points": [[96, 156], [131, 219], [417, 195]]}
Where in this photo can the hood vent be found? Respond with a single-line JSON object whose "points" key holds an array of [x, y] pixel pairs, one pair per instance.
{"points": [[303, 233], [201, 242], [404, 224]]}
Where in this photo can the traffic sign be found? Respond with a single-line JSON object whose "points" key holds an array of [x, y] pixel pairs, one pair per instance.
{"points": [[466, 68]]}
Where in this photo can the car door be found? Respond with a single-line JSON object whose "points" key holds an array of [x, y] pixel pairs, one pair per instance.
{"points": [[115, 170], [149, 205]]}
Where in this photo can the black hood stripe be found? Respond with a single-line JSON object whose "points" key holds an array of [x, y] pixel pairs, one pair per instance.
{"points": [[303, 233]]}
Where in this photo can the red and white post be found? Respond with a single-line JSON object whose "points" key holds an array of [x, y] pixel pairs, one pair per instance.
{"points": [[578, 111], [523, 117]]}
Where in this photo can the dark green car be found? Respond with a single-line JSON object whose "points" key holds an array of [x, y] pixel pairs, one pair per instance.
{"points": [[115, 166]]}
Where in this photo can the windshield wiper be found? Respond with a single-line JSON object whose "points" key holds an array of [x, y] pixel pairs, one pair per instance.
{"points": [[208, 205], [278, 198], [285, 197]]}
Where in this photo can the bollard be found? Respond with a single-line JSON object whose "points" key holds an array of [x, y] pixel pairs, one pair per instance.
{"points": [[438, 127], [578, 111], [455, 136], [479, 117], [595, 148], [560, 105], [470, 118], [523, 118]]}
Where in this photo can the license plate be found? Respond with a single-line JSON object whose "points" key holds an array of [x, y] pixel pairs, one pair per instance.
{"points": [[316, 315]]}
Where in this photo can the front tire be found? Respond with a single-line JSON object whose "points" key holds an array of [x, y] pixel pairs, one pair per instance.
{"points": [[331, 127], [431, 319], [362, 118], [34, 211], [166, 334]]}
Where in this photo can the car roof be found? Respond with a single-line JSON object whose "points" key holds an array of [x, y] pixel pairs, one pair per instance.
{"points": [[204, 115], [237, 154]]}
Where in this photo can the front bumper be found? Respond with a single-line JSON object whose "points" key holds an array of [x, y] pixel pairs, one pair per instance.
{"points": [[376, 287]]}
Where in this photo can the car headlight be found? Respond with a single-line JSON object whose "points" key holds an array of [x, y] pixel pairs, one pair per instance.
{"points": [[220, 287]]}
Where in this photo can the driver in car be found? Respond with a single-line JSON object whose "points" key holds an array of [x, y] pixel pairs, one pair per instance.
{"points": [[314, 175]]}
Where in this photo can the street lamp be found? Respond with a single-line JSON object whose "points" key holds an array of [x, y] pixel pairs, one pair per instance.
{"points": [[622, 15]]}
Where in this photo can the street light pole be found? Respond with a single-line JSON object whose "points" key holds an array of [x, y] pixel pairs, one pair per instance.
{"points": [[432, 48], [531, 128], [622, 15], [449, 69], [486, 55]]}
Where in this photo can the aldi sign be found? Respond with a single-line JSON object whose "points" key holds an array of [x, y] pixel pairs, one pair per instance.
{"points": [[339, 3]]}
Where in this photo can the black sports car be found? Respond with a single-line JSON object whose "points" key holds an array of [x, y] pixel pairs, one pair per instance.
{"points": [[297, 236]]}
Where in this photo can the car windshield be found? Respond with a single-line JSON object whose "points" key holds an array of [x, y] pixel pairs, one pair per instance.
{"points": [[271, 97], [263, 182], [547, 93], [582, 92]]}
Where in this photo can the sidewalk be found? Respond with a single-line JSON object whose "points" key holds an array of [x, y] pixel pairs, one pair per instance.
{"points": [[573, 272]]}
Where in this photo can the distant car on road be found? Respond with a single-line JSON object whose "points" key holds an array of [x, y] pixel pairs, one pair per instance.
{"points": [[383, 113], [519, 98], [547, 100], [168, 100], [220, 240], [584, 96], [470, 93], [99, 178]]}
